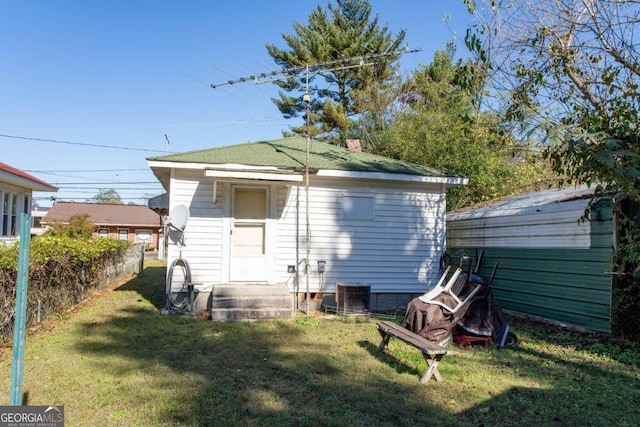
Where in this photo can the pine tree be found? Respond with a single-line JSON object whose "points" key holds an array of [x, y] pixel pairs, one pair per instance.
{"points": [[347, 37]]}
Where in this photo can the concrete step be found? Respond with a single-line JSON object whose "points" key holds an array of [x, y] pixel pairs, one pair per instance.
{"points": [[230, 314], [284, 301], [248, 290], [251, 302]]}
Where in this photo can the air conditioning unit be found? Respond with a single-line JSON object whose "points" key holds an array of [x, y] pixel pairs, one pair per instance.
{"points": [[353, 298]]}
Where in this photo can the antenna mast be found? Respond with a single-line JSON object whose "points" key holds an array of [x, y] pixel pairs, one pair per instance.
{"points": [[309, 69], [307, 99]]}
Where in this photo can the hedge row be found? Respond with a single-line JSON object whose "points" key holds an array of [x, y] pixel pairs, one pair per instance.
{"points": [[61, 271]]}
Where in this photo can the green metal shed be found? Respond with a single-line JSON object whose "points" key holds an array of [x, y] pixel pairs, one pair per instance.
{"points": [[552, 264]]}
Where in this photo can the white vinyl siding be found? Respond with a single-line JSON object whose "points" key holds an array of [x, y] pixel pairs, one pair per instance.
{"points": [[203, 236], [394, 245], [397, 250]]}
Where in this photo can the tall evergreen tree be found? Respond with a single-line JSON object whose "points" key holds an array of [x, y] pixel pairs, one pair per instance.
{"points": [[350, 51]]}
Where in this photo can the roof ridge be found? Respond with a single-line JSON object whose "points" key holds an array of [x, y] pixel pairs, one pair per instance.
{"points": [[290, 153]]}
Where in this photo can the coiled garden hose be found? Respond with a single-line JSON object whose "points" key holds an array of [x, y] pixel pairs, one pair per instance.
{"points": [[173, 306]]}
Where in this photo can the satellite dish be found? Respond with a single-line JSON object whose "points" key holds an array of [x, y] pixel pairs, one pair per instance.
{"points": [[178, 218]]}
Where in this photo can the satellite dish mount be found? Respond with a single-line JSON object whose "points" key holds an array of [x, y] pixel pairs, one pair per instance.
{"points": [[178, 218]]}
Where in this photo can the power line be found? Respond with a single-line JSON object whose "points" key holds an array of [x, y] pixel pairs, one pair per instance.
{"points": [[80, 143], [83, 170], [109, 183], [213, 124], [62, 199], [85, 190]]}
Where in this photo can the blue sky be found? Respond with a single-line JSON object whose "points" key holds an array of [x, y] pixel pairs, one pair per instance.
{"points": [[89, 89]]}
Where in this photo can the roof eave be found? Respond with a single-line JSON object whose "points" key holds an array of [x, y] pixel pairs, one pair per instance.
{"points": [[448, 181], [26, 183], [382, 176]]}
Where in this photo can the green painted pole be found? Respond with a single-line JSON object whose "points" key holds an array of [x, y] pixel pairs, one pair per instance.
{"points": [[19, 326]]}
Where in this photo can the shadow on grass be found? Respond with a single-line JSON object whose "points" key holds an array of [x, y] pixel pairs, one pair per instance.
{"points": [[283, 373], [250, 373], [597, 344], [566, 391], [555, 407], [389, 359], [287, 373], [150, 285]]}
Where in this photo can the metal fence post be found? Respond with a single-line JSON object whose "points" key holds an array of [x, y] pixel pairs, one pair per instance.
{"points": [[141, 268], [19, 327]]}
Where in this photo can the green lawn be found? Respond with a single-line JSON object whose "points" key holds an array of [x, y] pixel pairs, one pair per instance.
{"points": [[117, 361]]}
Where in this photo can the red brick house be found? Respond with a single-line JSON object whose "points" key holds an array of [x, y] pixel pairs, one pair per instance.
{"points": [[137, 224]]}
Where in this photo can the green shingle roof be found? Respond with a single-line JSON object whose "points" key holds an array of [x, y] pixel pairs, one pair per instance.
{"points": [[290, 153]]}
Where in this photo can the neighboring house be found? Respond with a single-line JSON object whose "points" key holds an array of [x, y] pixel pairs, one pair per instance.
{"points": [[37, 227], [16, 196], [137, 224], [551, 264], [255, 216], [160, 204]]}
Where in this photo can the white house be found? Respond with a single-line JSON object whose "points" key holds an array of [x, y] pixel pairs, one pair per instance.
{"points": [[257, 214], [16, 194]]}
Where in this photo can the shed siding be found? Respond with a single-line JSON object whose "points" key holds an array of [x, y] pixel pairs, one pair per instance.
{"points": [[539, 228], [564, 281]]}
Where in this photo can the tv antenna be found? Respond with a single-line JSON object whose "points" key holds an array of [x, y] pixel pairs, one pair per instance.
{"points": [[307, 71], [316, 68]]}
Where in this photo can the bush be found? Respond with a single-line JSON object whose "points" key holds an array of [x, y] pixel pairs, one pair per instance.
{"points": [[61, 270], [78, 227], [626, 283]]}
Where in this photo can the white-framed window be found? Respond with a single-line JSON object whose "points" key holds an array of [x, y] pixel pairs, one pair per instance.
{"points": [[14, 214], [123, 234], [8, 214], [358, 207], [103, 232], [4, 217], [27, 204], [144, 236]]}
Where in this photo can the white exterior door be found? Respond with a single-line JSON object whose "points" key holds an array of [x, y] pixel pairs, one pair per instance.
{"points": [[248, 258]]}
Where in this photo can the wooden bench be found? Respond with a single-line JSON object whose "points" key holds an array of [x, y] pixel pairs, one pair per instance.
{"points": [[431, 351]]}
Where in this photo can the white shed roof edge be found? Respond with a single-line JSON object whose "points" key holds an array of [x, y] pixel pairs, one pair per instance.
{"points": [[394, 177], [264, 176], [227, 169]]}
